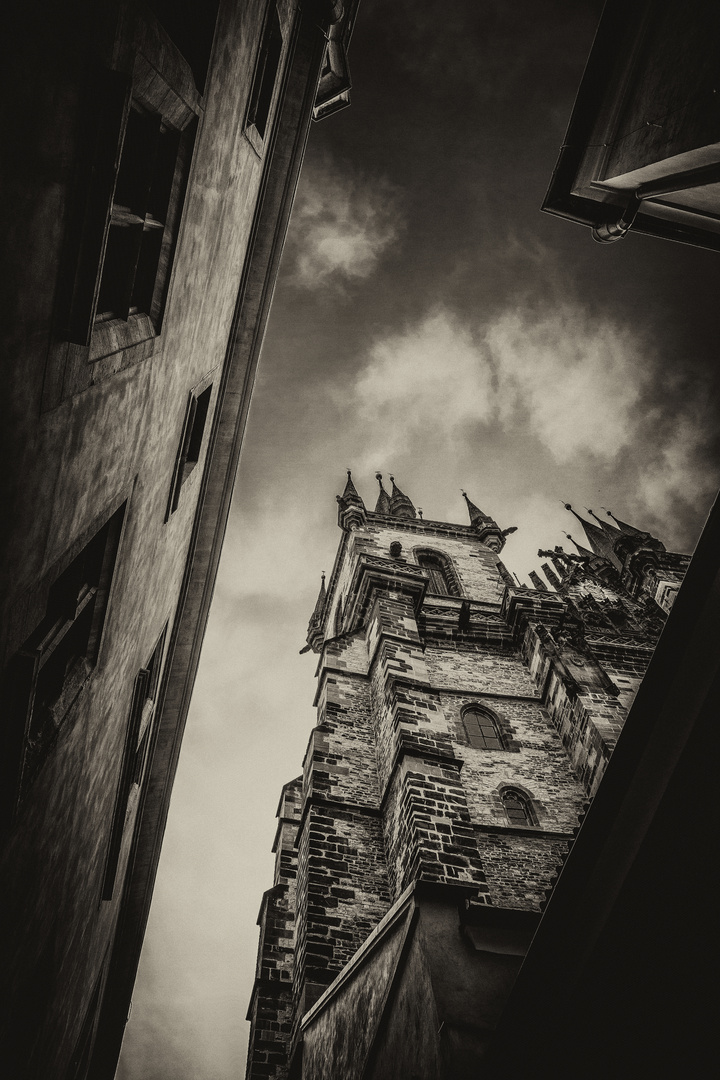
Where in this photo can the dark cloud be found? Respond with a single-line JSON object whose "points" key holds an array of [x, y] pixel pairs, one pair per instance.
{"points": [[431, 321]]}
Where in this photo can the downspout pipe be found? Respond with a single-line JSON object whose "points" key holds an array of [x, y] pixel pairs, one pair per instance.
{"points": [[610, 231]]}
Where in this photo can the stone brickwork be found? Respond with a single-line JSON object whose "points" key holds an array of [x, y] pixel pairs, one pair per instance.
{"points": [[420, 623], [520, 869], [270, 1011]]}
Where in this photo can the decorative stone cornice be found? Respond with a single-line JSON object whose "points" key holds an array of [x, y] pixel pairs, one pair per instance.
{"points": [[523, 605], [373, 575]]}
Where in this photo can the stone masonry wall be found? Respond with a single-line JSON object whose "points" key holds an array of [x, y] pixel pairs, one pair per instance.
{"points": [[270, 1011], [520, 869], [342, 877], [392, 790]]}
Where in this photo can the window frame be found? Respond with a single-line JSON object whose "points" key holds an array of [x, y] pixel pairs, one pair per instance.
{"points": [[156, 79], [473, 739], [526, 801], [193, 440], [263, 88], [445, 568], [63, 648], [136, 754], [150, 186]]}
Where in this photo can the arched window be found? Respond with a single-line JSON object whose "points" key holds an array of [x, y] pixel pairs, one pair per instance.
{"points": [[518, 807], [435, 566], [337, 627], [482, 730]]}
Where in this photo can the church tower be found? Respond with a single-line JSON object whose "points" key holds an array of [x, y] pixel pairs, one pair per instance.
{"points": [[463, 721]]}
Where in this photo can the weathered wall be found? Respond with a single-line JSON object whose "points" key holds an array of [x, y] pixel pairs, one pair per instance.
{"points": [[85, 434]]}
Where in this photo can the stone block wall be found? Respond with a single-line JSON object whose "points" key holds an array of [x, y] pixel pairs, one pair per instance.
{"points": [[520, 869], [394, 792], [271, 1007]]}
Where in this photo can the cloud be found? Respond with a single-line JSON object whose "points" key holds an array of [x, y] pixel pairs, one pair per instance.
{"points": [[680, 471], [341, 226], [578, 380], [580, 387], [429, 378]]}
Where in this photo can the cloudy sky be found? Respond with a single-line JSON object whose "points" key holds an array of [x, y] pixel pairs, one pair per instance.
{"points": [[429, 322]]}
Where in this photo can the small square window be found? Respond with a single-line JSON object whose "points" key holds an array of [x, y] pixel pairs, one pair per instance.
{"points": [[191, 442]]}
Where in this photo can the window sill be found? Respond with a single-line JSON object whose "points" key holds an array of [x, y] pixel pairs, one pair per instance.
{"points": [[119, 336], [255, 139], [115, 345]]}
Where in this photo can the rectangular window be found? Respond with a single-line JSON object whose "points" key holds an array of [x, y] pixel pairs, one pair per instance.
{"points": [[47, 673], [135, 758], [191, 442], [263, 86], [134, 275], [134, 159]]}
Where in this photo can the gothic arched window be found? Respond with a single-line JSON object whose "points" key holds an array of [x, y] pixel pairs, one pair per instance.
{"points": [[436, 568], [482, 729], [518, 807]]}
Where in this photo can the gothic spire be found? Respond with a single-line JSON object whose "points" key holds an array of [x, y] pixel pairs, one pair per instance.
{"points": [[315, 634], [320, 602], [582, 550], [623, 526], [607, 528], [477, 518], [350, 494], [351, 508], [383, 504], [487, 528], [400, 505], [600, 541]]}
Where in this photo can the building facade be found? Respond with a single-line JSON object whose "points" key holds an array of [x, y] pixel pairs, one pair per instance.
{"points": [[642, 147], [464, 723], [152, 154]]}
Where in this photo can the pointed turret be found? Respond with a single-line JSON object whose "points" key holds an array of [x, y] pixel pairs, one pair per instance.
{"points": [[630, 530], [476, 515], [383, 504], [351, 508], [600, 540], [400, 505], [607, 528], [315, 636], [581, 550], [486, 527]]}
